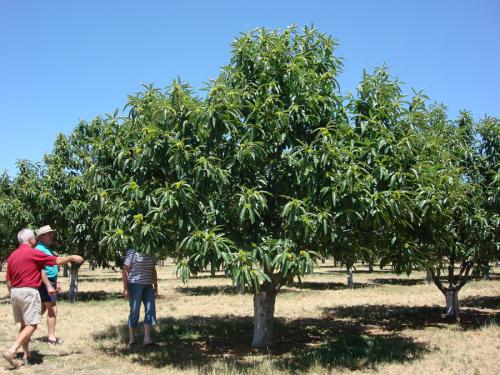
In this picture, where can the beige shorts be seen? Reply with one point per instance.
(26, 305)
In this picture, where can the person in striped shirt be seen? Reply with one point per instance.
(140, 284)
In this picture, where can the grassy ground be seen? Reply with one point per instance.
(387, 324)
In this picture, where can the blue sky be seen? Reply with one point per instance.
(62, 61)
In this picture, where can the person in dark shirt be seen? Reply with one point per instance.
(23, 277)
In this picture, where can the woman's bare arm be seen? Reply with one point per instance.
(125, 272)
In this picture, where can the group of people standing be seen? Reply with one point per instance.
(32, 283)
(31, 277)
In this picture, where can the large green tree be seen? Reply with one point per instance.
(265, 113)
(216, 182)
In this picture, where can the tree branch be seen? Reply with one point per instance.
(464, 277)
(435, 277)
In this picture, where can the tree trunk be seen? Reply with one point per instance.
(370, 267)
(65, 270)
(73, 284)
(486, 275)
(429, 276)
(92, 265)
(452, 310)
(350, 281)
(213, 268)
(263, 319)
(240, 287)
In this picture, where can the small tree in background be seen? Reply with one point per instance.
(14, 215)
(457, 229)
(66, 177)
(372, 199)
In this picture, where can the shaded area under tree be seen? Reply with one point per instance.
(392, 318)
(299, 344)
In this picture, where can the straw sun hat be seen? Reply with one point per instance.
(43, 230)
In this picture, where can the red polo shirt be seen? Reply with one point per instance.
(24, 266)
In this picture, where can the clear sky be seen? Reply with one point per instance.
(61, 61)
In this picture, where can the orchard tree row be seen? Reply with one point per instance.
(273, 169)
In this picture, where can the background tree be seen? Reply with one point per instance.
(457, 231)
(485, 171)
(66, 177)
(56, 192)
(371, 198)
(14, 215)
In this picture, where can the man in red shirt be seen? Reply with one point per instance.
(23, 280)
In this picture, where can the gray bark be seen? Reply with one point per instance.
(486, 275)
(370, 267)
(451, 292)
(429, 276)
(263, 320)
(65, 270)
(452, 309)
(213, 268)
(73, 284)
(350, 281)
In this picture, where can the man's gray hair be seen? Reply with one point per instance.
(25, 235)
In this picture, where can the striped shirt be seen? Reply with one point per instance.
(141, 267)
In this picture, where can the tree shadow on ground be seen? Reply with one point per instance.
(207, 275)
(483, 302)
(318, 285)
(95, 295)
(343, 271)
(398, 281)
(295, 287)
(210, 290)
(393, 318)
(86, 279)
(491, 277)
(204, 290)
(97, 279)
(201, 342)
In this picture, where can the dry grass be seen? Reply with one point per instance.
(388, 324)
